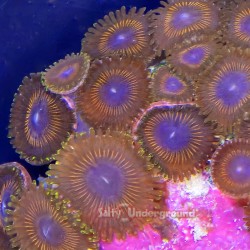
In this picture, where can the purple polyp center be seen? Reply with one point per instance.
(173, 85)
(193, 56)
(232, 88)
(122, 39)
(5, 199)
(105, 180)
(185, 17)
(115, 92)
(39, 118)
(239, 169)
(50, 231)
(66, 73)
(245, 25)
(172, 135)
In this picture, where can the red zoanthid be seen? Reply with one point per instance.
(176, 137)
(67, 75)
(230, 168)
(238, 31)
(37, 224)
(100, 173)
(178, 20)
(224, 91)
(119, 33)
(39, 122)
(14, 179)
(192, 57)
(171, 87)
(117, 90)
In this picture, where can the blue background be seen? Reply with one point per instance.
(33, 35)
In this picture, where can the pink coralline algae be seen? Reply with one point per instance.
(213, 221)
